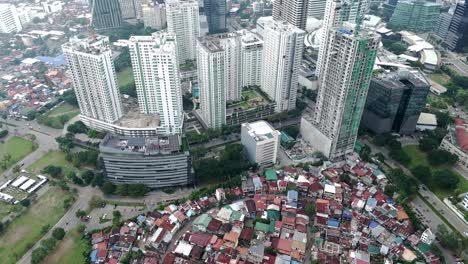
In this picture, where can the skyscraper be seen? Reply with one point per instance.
(156, 72)
(94, 79)
(154, 15)
(219, 75)
(336, 13)
(282, 54)
(106, 14)
(443, 25)
(292, 11)
(343, 85)
(457, 35)
(415, 15)
(395, 101)
(128, 8)
(251, 58)
(316, 8)
(9, 19)
(215, 11)
(183, 20)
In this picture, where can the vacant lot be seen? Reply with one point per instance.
(420, 158)
(125, 77)
(56, 158)
(70, 250)
(440, 78)
(17, 148)
(58, 116)
(25, 230)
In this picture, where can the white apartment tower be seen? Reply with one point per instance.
(154, 15)
(156, 71)
(219, 75)
(261, 141)
(251, 55)
(336, 13)
(94, 79)
(282, 54)
(183, 20)
(292, 11)
(9, 19)
(343, 85)
(317, 8)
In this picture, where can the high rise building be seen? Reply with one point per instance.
(251, 58)
(94, 79)
(219, 75)
(106, 14)
(9, 19)
(336, 13)
(215, 11)
(395, 101)
(128, 8)
(154, 15)
(156, 72)
(292, 11)
(316, 8)
(457, 35)
(443, 25)
(415, 15)
(183, 20)
(343, 85)
(261, 141)
(282, 55)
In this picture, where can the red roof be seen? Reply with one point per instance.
(461, 134)
(169, 259)
(200, 239)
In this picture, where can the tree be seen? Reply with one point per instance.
(49, 243)
(38, 255)
(58, 233)
(77, 127)
(87, 176)
(16, 169)
(54, 171)
(440, 157)
(96, 202)
(66, 143)
(310, 210)
(25, 202)
(108, 188)
(428, 144)
(446, 179)
(422, 173)
(116, 217)
(447, 239)
(80, 213)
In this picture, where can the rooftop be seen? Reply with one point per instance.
(260, 130)
(397, 79)
(147, 146)
(95, 44)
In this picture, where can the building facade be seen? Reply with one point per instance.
(106, 14)
(336, 13)
(183, 20)
(415, 15)
(343, 86)
(128, 8)
(261, 141)
(251, 56)
(457, 35)
(94, 79)
(157, 162)
(156, 71)
(219, 75)
(282, 55)
(316, 8)
(215, 11)
(9, 19)
(154, 15)
(443, 25)
(292, 11)
(456, 141)
(395, 101)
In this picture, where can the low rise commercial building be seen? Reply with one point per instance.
(261, 141)
(157, 162)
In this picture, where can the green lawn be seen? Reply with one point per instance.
(125, 77)
(18, 148)
(57, 117)
(420, 158)
(440, 78)
(6, 209)
(69, 250)
(56, 158)
(25, 230)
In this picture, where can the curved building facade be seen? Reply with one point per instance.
(157, 162)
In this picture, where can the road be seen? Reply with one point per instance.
(456, 222)
(456, 63)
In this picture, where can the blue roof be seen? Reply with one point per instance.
(57, 61)
(348, 214)
(333, 222)
(257, 182)
(293, 195)
(93, 256)
(373, 224)
(372, 202)
(390, 201)
(140, 218)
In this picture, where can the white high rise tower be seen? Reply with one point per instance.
(282, 54)
(336, 13)
(9, 19)
(183, 20)
(156, 71)
(94, 79)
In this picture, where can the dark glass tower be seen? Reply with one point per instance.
(215, 11)
(457, 35)
(106, 14)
